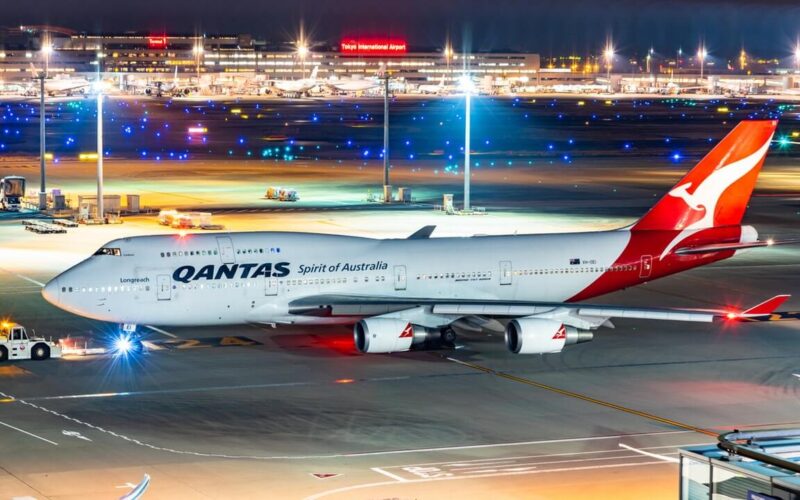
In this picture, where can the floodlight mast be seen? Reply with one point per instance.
(387, 188)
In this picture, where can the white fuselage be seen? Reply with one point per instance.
(211, 279)
(354, 85)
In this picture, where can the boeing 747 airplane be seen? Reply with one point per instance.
(401, 293)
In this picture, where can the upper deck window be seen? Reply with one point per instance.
(109, 251)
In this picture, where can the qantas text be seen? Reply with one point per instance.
(185, 274)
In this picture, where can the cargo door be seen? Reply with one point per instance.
(164, 287)
(505, 272)
(226, 254)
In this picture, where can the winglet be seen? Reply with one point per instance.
(423, 233)
(766, 307)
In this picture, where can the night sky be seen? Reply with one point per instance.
(767, 28)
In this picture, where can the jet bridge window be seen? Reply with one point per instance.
(109, 251)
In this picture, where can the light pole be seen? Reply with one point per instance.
(448, 56)
(302, 52)
(701, 54)
(797, 57)
(609, 55)
(678, 60)
(100, 200)
(47, 49)
(198, 50)
(387, 188)
(466, 83)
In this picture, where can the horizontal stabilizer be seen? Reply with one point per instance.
(766, 307)
(721, 247)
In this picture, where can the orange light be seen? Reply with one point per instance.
(344, 381)
(732, 315)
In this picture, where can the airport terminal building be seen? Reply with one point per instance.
(65, 51)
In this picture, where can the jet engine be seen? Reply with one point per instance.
(382, 335)
(539, 336)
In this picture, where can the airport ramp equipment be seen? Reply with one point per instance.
(40, 227)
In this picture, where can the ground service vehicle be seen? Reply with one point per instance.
(12, 189)
(15, 344)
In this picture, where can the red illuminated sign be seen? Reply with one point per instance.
(373, 46)
(157, 42)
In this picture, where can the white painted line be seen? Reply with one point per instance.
(389, 474)
(492, 461)
(651, 455)
(28, 433)
(310, 457)
(29, 280)
(163, 332)
(75, 434)
(479, 476)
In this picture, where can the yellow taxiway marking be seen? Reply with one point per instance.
(582, 397)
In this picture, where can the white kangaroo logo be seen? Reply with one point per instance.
(707, 194)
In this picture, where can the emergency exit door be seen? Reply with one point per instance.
(164, 287)
(400, 278)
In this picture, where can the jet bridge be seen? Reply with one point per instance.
(750, 465)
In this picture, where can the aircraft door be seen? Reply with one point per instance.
(271, 286)
(400, 278)
(505, 272)
(226, 254)
(164, 287)
(646, 266)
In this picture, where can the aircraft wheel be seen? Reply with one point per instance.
(3, 353)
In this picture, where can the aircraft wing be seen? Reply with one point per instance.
(590, 316)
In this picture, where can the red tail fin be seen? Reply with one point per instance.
(717, 190)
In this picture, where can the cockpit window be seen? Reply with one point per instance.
(109, 251)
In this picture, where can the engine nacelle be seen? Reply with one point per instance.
(539, 336)
(382, 335)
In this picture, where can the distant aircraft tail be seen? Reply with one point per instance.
(715, 192)
(314, 73)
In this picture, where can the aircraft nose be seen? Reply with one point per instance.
(51, 292)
